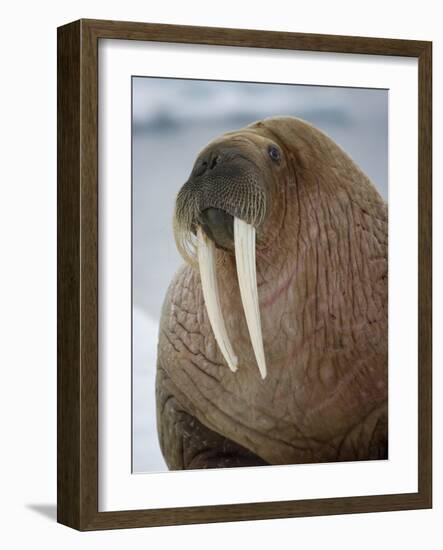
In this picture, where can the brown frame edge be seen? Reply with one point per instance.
(77, 313)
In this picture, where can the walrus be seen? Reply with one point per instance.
(273, 341)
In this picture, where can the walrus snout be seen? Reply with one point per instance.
(219, 159)
(228, 181)
(218, 226)
(225, 183)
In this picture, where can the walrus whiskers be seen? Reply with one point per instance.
(185, 214)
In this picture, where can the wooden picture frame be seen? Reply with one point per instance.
(77, 455)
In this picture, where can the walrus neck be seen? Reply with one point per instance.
(277, 258)
(324, 249)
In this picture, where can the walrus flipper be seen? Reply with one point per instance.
(187, 444)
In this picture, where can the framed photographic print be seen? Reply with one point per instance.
(244, 274)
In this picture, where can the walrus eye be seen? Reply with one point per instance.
(274, 153)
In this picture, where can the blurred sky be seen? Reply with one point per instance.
(173, 120)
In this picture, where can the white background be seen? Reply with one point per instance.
(118, 489)
(28, 275)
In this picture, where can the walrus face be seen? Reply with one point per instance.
(232, 178)
(222, 206)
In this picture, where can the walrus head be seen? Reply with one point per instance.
(235, 203)
(233, 177)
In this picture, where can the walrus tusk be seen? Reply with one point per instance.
(244, 240)
(206, 262)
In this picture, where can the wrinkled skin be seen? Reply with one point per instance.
(322, 283)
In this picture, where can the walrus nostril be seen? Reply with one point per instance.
(206, 164)
(214, 162)
(218, 226)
